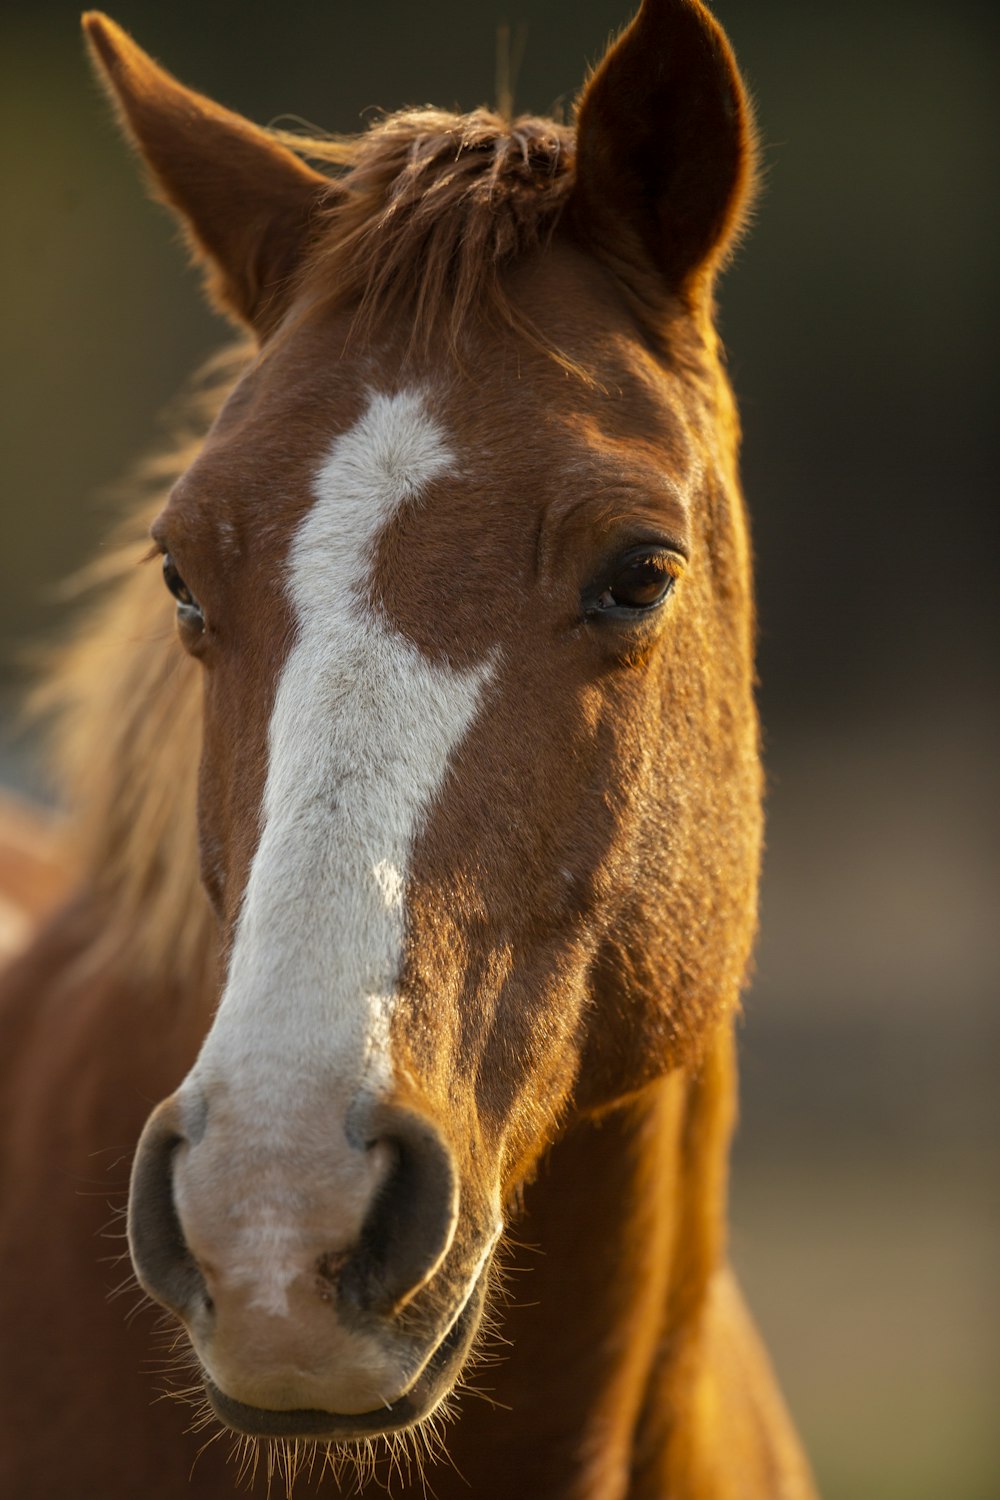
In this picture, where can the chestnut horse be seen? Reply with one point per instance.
(457, 723)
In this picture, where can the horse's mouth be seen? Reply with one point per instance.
(431, 1386)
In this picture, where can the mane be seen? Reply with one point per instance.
(426, 209)
(124, 701)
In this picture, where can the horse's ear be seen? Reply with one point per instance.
(664, 152)
(246, 203)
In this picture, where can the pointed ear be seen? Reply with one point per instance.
(246, 203)
(664, 153)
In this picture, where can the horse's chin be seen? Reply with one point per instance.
(435, 1381)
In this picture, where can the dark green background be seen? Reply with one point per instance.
(861, 319)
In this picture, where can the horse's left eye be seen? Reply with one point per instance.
(637, 582)
(187, 605)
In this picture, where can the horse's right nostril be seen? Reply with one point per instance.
(411, 1224)
(163, 1263)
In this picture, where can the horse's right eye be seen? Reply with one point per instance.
(189, 611)
(175, 582)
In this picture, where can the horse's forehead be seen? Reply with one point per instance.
(499, 433)
(522, 432)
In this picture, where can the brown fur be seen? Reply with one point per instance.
(582, 897)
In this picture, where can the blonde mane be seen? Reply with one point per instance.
(426, 209)
(125, 704)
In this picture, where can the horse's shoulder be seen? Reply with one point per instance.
(34, 870)
(739, 1395)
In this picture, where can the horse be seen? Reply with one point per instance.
(417, 770)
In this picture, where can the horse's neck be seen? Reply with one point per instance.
(621, 1239)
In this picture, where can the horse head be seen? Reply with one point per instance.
(465, 565)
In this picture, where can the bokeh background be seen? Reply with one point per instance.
(862, 322)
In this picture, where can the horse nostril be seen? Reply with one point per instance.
(163, 1263)
(410, 1225)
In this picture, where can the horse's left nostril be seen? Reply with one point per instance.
(163, 1263)
(411, 1224)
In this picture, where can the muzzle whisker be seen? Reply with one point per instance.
(205, 1445)
(128, 1283)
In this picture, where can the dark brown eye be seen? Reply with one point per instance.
(635, 583)
(188, 608)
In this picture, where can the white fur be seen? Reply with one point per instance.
(362, 731)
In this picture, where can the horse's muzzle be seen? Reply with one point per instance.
(293, 1281)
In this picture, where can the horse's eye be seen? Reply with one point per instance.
(188, 607)
(637, 582)
(175, 582)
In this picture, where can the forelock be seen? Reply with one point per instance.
(427, 208)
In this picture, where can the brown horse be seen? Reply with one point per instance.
(464, 643)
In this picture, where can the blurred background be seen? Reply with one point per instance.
(862, 324)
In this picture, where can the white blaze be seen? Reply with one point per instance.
(360, 738)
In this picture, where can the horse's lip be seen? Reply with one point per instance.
(433, 1383)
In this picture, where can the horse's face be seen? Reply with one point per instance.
(478, 816)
